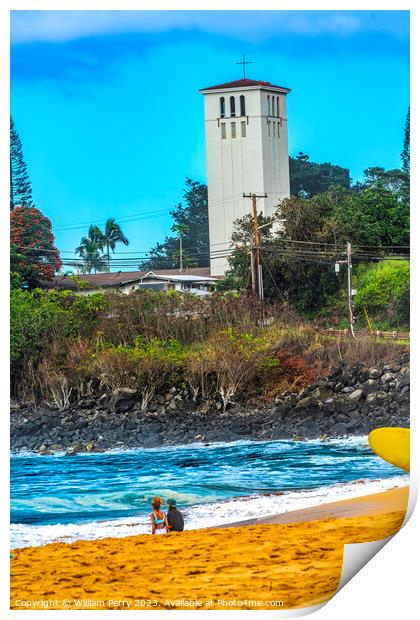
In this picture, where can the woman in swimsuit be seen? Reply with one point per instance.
(158, 517)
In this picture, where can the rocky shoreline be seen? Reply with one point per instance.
(352, 400)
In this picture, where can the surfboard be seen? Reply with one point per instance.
(393, 445)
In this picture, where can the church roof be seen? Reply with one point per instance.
(245, 83)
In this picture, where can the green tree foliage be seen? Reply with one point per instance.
(299, 257)
(90, 251)
(92, 246)
(308, 178)
(39, 317)
(20, 186)
(374, 217)
(405, 155)
(112, 235)
(304, 274)
(383, 290)
(290, 271)
(191, 213)
(238, 276)
(395, 181)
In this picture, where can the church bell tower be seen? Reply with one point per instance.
(247, 153)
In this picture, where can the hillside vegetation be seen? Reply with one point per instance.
(64, 345)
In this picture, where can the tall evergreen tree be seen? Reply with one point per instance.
(308, 178)
(20, 185)
(405, 155)
(192, 215)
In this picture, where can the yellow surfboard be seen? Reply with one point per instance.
(393, 445)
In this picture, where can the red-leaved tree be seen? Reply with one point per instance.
(33, 253)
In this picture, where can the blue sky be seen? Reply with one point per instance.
(107, 104)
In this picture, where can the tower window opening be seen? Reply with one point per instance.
(233, 130)
(268, 105)
(223, 126)
(269, 129)
(242, 105)
(232, 106)
(278, 107)
(243, 129)
(278, 129)
(222, 107)
(273, 111)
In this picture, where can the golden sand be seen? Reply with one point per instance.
(281, 565)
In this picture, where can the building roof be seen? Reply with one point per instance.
(245, 83)
(178, 277)
(119, 278)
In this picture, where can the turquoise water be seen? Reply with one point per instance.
(92, 495)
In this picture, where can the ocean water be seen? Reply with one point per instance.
(88, 496)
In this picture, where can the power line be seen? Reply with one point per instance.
(136, 216)
(307, 255)
(230, 198)
(130, 262)
(283, 250)
(313, 242)
(124, 220)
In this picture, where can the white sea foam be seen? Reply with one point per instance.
(349, 441)
(202, 515)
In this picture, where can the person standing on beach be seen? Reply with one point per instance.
(158, 517)
(174, 518)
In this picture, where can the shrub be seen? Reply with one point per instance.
(33, 325)
(384, 290)
(147, 367)
(61, 343)
(40, 318)
(65, 370)
(199, 372)
(230, 362)
(185, 317)
(361, 350)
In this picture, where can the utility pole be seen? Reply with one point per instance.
(253, 274)
(180, 252)
(181, 229)
(256, 266)
(350, 292)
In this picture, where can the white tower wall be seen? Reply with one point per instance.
(256, 162)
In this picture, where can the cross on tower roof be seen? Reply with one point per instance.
(244, 62)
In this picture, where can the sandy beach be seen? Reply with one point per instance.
(289, 560)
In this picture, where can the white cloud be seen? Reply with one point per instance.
(57, 26)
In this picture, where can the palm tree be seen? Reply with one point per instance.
(112, 235)
(90, 251)
(96, 234)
